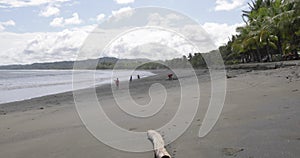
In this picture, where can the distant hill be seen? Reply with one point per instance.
(102, 63)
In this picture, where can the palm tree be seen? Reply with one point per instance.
(272, 27)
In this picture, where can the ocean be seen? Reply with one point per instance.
(17, 85)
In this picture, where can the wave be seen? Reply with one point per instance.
(16, 85)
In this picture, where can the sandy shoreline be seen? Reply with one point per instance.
(260, 119)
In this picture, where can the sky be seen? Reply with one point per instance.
(54, 30)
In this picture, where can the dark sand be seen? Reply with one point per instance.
(260, 118)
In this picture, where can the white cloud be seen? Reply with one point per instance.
(220, 33)
(227, 5)
(124, 1)
(3, 25)
(217, 32)
(100, 17)
(8, 23)
(57, 22)
(122, 13)
(74, 20)
(61, 22)
(27, 3)
(12, 44)
(169, 20)
(42, 46)
(155, 45)
(50, 11)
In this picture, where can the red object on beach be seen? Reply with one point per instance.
(170, 76)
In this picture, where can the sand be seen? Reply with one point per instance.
(260, 118)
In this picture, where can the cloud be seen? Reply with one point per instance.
(12, 44)
(154, 42)
(61, 22)
(9, 23)
(155, 45)
(124, 1)
(220, 33)
(227, 5)
(74, 20)
(216, 33)
(169, 35)
(181, 25)
(27, 3)
(57, 22)
(163, 44)
(3, 25)
(50, 11)
(153, 51)
(122, 13)
(42, 46)
(100, 17)
(167, 20)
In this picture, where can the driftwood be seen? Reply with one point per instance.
(158, 144)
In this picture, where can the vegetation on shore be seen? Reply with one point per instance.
(271, 33)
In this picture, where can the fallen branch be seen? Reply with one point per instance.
(158, 144)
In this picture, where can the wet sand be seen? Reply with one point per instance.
(260, 118)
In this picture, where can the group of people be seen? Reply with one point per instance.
(130, 80)
(170, 77)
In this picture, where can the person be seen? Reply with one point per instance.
(130, 79)
(117, 83)
(138, 76)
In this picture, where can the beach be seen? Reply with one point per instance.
(260, 118)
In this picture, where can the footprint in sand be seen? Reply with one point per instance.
(173, 149)
(231, 151)
(132, 129)
(2, 112)
(286, 107)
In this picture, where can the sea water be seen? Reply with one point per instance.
(17, 85)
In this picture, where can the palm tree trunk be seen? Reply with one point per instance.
(268, 51)
(294, 47)
(296, 54)
(258, 53)
(279, 44)
(252, 57)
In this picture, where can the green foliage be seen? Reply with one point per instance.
(272, 29)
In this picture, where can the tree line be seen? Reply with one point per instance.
(271, 33)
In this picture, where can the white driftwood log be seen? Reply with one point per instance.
(158, 144)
